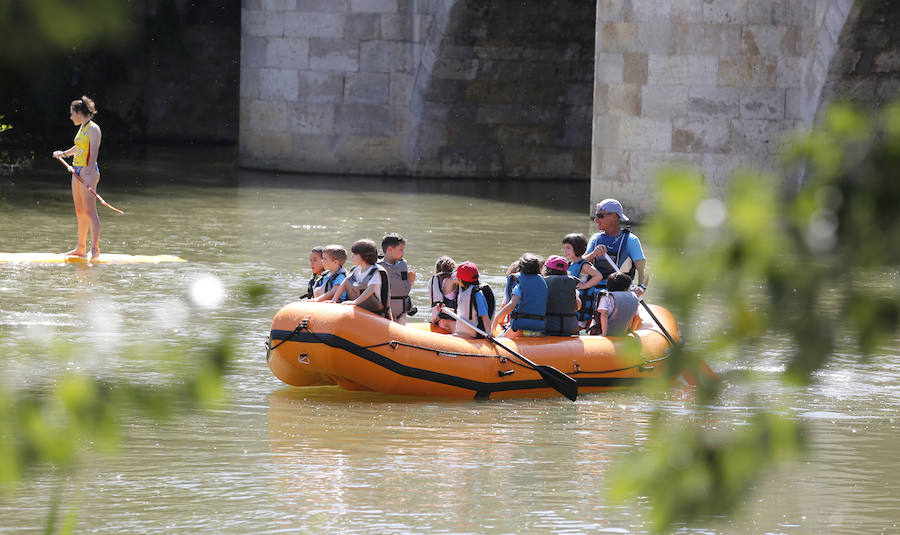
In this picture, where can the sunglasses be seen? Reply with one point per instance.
(601, 215)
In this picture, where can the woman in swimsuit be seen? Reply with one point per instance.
(86, 151)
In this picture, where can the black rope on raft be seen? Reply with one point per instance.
(641, 364)
(300, 326)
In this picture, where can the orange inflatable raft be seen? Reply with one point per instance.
(314, 344)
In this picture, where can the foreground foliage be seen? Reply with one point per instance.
(774, 253)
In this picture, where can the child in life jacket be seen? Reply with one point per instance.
(562, 298)
(527, 305)
(367, 286)
(394, 246)
(589, 278)
(333, 258)
(318, 270)
(443, 290)
(474, 302)
(617, 308)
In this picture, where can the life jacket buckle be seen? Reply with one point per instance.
(576, 367)
(268, 348)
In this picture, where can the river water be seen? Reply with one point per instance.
(279, 459)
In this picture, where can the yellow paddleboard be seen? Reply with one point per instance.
(105, 258)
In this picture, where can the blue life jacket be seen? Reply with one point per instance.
(618, 257)
(511, 281)
(588, 297)
(529, 313)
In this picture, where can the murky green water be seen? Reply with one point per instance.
(321, 460)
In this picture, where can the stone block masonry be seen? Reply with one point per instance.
(420, 87)
(718, 83)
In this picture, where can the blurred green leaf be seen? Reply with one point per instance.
(778, 256)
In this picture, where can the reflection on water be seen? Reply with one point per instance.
(324, 460)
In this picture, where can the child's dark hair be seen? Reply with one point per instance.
(618, 282)
(391, 239)
(465, 284)
(335, 252)
(548, 271)
(84, 106)
(530, 264)
(444, 264)
(366, 250)
(578, 242)
(318, 249)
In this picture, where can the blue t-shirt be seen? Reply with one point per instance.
(338, 279)
(481, 304)
(632, 248)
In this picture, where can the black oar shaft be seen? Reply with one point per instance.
(659, 324)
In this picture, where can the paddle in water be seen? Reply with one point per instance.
(83, 183)
(562, 383)
(704, 367)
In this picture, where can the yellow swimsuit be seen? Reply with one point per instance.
(82, 147)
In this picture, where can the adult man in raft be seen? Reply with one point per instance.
(623, 246)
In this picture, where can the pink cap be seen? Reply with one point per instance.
(557, 262)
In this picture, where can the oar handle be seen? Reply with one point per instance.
(611, 262)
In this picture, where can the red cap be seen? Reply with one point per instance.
(467, 272)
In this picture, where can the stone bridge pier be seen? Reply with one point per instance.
(716, 84)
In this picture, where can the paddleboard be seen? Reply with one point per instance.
(105, 258)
